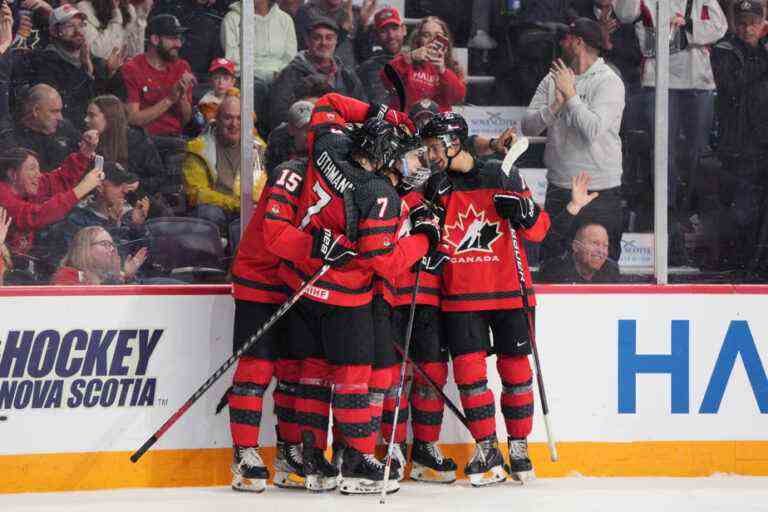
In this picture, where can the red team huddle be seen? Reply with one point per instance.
(374, 202)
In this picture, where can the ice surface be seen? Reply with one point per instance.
(719, 493)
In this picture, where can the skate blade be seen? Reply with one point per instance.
(316, 483)
(523, 476)
(242, 484)
(493, 476)
(426, 474)
(289, 480)
(365, 486)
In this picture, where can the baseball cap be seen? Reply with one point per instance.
(387, 16)
(588, 30)
(423, 110)
(323, 21)
(222, 63)
(63, 14)
(117, 175)
(300, 113)
(754, 7)
(165, 25)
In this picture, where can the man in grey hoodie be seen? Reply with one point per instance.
(315, 64)
(580, 103)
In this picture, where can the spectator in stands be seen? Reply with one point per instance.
(580, 105)
(587, 260)
(222, 72)
(691, 89)
(203, 20)
(31, 19)
(290, 6)
(274, 47)
(158, 83)
(422, 111)
(6, 39)
(353, 40)
(429, 69)
(110, 209)
(620, 44)
(40, 126)
(6, 263)
(115, 27)
(289, 140)
(67, 65)
(315, 64)
(740, 66)
(35, 200)
(212, 170)
(93, 259)
(129, 146)
(6, 28)
(390, 35)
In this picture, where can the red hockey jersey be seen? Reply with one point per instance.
(481, 273)
(254, 271)
(331, 176)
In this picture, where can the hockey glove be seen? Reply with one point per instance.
(434, 261)
(392, 116)
(334, 249)
(426, 222)
(522, 212)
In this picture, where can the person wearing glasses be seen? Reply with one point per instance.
(92, 259)
(159, 83)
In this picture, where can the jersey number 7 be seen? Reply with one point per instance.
(323, 198)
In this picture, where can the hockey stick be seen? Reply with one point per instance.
(227, 364)
(397, 84)
(400, 384)
(514, 152)
(455, 410)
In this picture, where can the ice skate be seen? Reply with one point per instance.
(520, 467)
(429, 465)
(320, 475)
(362, 473)
(289, 467)
(486, 466)
(248, 470)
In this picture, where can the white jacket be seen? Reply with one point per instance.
(114, 35)
(274, 43)
(584, 134)
(689, 68)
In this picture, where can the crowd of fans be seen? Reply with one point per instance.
(152, 87)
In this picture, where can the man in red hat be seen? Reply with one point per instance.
(390, 35)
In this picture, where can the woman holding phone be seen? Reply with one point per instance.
(428, 70)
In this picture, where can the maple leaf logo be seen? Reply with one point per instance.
(472, 232)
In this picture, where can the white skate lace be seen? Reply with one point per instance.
(373, 461)
(518, 449)
(295, 452)
(250, 457)
(435, 452)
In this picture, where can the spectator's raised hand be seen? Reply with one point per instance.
(565, 79)
(6, 28)
(501, 144)
(366, 11)
(133, 263)
(88, 143)
(85, 57)
(580, 196)
(347, 22)
(140, 211)
(608, 24)
(116, 59)
(5, 224)
(420, 54)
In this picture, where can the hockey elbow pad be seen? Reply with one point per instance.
(521, 212)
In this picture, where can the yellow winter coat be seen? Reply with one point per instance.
(200, 175)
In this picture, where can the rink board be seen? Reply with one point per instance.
(642, 381)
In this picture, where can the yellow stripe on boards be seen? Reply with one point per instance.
(210, 467)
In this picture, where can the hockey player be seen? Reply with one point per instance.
(481, 290)
(333, 323)
(258, 293)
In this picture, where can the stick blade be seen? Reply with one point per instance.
(514, 152)
(397, 83)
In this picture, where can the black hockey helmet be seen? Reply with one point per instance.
(383, 142)
(444, 126)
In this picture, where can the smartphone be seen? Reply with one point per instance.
(98, 164)
(440, 43)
